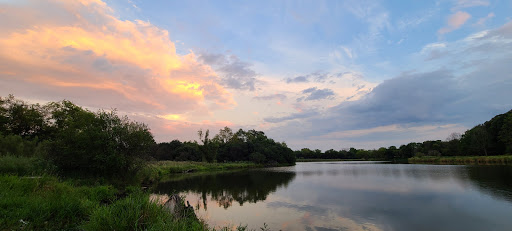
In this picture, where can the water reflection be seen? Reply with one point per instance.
(356, 196)
(245, 186)
(493, 180)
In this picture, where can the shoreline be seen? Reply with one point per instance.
(463, 160)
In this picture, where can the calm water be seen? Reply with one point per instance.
(354, 196)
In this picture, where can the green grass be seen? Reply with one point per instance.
(45, 203)
(136, 212)
(172, 167)
(326, 160)
(32, 197)
(478, 160)
(26, 166)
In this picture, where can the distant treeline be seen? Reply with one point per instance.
(227, 146)
(493, 137)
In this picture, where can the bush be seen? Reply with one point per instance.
(257, 157)
(16, 165)
(97, 144)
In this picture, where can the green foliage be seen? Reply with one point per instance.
(25, 166)
(257, 157)
(164, 168)
(493, 137)
(77, 141)
(480, 160)
(228, 147)
(136, 212)
(20, 118)
(46, 204)
(505, 134)
(100, 144)
(16, 145)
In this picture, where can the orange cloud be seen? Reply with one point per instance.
(98, 55)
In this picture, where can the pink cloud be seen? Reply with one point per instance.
(455, 21)
(86, 54)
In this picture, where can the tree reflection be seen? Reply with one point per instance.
(225, 188)
(493, 180)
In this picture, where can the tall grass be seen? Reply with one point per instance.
(170, 167)
(481, 160)
(47, 204)
(136, 212)
(26, 166)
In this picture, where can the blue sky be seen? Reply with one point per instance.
(317, 74)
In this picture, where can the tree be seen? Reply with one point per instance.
(454, 136)
(22, 119)
(209, 147)
(476, 140)
(224, 136)
(99, 144)
(505, 133)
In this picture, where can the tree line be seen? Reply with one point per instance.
(227, 146)
(77, 141)
(493, 137)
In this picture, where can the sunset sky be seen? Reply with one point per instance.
(316, 74)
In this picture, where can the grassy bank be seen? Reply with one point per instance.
(159, 169)
(481, 160)
(47, 203)
(34, 198)
(326, 160)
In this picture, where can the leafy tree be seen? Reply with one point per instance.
(505, 133)
(100, 143)
(224, 136)
(20, 118)
(209, 147)
(476, 140)
(257, 157)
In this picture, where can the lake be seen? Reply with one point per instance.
(357, 195)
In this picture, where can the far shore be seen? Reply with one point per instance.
(469, 160)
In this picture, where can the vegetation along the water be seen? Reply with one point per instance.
(65, 167)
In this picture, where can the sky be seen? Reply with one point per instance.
(315, 74)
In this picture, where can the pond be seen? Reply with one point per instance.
(353, 196)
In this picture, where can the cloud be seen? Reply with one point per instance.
(298, 79)
(415, 106)
(314, 93)
(460, 4)
(235, 73)
(455, 21)
(270, 97)
(317, 76)
(85, 54)
(483, 20)
(300, 115)
(377, 19)
(504, 32)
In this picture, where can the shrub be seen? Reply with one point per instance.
(97, 144)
